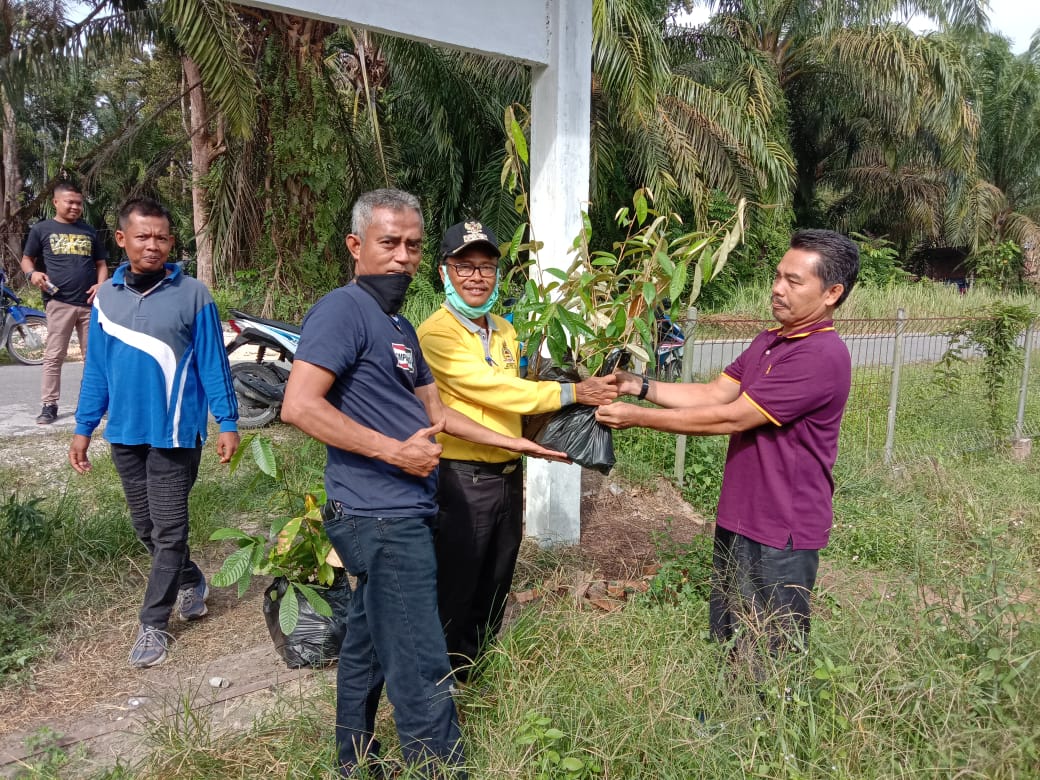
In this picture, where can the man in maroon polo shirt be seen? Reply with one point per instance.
(781, 402)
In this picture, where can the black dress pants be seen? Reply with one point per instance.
(156, 482)
(760, 594)
(478, 534)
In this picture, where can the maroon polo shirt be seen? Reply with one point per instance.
(778, 485)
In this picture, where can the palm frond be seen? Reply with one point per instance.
(210, 33)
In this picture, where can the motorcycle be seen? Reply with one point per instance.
(260, 382)
(23, 331)
(670, 344)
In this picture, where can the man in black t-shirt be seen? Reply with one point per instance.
(65, 259)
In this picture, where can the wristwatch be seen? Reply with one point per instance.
(28, 275)
(645, 388)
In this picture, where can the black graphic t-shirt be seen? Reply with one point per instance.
(68, 253)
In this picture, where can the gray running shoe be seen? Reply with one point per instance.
(191, 601)
(47, 415)
(150, 647)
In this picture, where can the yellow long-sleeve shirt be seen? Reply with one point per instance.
(483, 384)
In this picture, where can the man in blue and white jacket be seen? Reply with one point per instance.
(156, 363)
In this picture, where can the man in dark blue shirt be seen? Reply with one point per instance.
(359, 384)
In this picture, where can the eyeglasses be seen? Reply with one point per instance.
(466, 271)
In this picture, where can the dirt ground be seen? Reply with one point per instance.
(88, 694)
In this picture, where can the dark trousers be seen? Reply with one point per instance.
(760, 594)
(479, 529)
(393, 636)
(156, 482)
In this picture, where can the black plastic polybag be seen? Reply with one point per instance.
(316, 639)
(573, 429)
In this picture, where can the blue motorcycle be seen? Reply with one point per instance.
(23, 331)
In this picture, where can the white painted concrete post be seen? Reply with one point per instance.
(561, 100)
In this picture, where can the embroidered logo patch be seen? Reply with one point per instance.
(403, 355)
(507, 357)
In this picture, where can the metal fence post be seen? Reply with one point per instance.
(687, 376)
(893, 394)
(1023, 391)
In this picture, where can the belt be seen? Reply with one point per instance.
(480, 467)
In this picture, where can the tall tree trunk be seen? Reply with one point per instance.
(12, 226)
(206, 146)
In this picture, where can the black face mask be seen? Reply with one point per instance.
(144, 282)
(388, 289)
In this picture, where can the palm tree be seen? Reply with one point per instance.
(871, 113)
(1001, 201)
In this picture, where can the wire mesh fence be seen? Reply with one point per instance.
(909, 398)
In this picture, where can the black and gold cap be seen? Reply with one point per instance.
(467, 234)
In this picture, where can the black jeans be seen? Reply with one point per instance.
(156, 483)
(479, 529)
(760, 594)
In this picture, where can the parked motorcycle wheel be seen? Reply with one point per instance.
(252, 411)
(671, 371)
(25, 341)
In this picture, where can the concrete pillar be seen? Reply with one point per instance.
(561, 101)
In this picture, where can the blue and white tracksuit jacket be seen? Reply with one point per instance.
(156, 361)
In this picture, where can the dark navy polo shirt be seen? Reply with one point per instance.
(378, 364)
(778, 484)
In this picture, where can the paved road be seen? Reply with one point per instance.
(20, 398)
(710, 357)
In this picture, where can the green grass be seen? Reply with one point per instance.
(75, 560)
(922, 299)
(924, 660)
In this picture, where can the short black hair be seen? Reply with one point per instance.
(838, 258)
(67, 186)
(145, 207)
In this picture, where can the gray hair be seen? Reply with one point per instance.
(395, 200)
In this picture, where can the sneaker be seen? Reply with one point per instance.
(150, 647)
(191, 601)
(48, 414)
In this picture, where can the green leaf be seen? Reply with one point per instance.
(243, 583)
(663, 260)
(229, 533)
(639, 201)
(289, 610)
(263, 453)
(317, 602)
(572, 764)
(516, 135)
(649, 293)
(235, 567)
(288, 535)
(518, 237)
(645, 333)
(695, 288)
(243, 446)
(554, 733)
(677, 284)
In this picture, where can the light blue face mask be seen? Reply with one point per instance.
(460, 305)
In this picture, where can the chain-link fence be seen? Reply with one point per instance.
(911, 398)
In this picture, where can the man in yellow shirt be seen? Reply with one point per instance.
(474, 357)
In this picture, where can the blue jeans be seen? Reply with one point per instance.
(394, 635)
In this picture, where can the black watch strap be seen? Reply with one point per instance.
(28, 275)
(645, 388)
